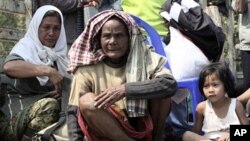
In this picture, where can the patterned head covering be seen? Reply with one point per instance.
(85, 50)
(33, 51)
(141, 62)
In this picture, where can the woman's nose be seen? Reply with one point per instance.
(112, 40)
(51, 31)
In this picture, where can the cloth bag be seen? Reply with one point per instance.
(185, 59)
(190, 19)
(89, 12)
(57, 131)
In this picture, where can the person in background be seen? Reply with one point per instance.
(95, 6)
(35, 69)
(245, 100)
(215, 115)
(118, 83)
(242, 7)
(149, 11)
(109, 4)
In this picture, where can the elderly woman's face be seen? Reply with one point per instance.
(114, 40)
(49, 31)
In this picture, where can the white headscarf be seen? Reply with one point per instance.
(31, 49)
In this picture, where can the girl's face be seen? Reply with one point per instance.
(213, 88)
(114, 40)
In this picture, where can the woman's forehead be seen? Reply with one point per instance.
(114, 22)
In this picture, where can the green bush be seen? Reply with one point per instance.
(10, 20)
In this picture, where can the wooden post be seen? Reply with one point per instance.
(230, 39)
(28, 6)
(213, 12)
(203, 3)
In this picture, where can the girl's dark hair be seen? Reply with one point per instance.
(53, 14)
(222, 70)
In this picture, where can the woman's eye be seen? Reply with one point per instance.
(106, 36)
(57, 28)
(45, 27)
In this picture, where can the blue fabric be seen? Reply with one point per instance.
(179, 118)
(155, 38)
(192, 85)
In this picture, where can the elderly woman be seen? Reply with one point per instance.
(121, 87)
(35, 68)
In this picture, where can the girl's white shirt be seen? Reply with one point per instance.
(214, 126)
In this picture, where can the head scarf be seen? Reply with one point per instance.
(141, 62)
(31, 49)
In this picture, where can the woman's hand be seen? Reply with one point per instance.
(54, 94)
(56, 79)
(109, 96)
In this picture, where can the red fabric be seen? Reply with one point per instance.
(145, 135)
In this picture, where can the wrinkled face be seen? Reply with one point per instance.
(213, 88)
(114, 40)
(49, 31)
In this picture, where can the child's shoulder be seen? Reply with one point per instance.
(201, 107)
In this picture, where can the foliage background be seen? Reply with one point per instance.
(10, 21)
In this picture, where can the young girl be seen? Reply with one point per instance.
(215, 115)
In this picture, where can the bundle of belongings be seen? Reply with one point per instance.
(189, 18)
(194, 42)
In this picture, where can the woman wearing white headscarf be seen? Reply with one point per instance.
(36, 67)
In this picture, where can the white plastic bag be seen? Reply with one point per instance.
(89, 12)
(185, 59)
